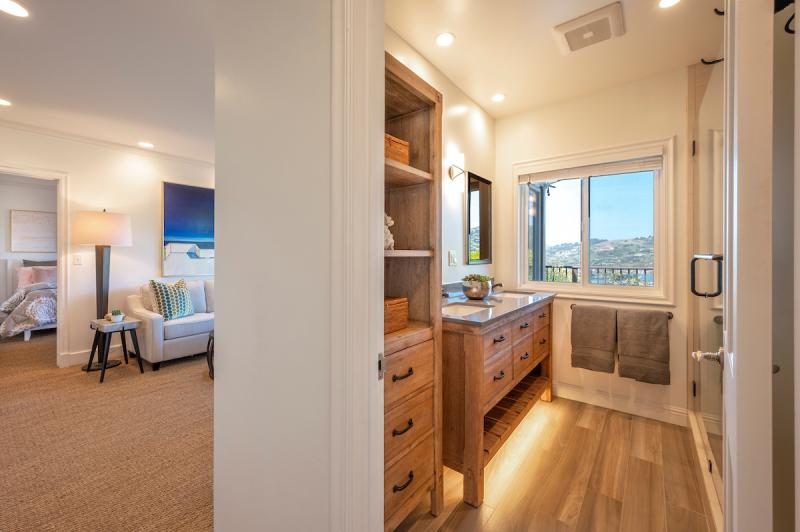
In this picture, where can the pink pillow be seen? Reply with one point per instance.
(24, 276)
(44, 274)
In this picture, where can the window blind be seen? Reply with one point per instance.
(643, 164)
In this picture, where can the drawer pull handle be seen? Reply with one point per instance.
(409, 373)
(501, 376)
(543, 341)
(396, 433)
(405, 484)
(543, 315)
(499, 339)
(526, 356)
(525, 325)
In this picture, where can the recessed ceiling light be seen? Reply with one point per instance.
(13, 8)
(145, 145)
(663, 4)
(499, 97)
(445, 39)
(4, 103)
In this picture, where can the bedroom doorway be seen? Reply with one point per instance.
(33, 268)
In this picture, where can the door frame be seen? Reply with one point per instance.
(357, 164)
(62, 249)
(747, 388)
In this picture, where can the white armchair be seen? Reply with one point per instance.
(181, 337)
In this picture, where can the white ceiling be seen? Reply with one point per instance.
(114, 70)
(508, 45)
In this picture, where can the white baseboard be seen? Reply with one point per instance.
(78, 358)
(629, 405)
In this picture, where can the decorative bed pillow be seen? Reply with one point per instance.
(26, 262)
(44, 274)
(24, 276)
(171, 300)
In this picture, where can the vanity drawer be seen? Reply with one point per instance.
(522, 327)
(524, 357)
(541, 317)
(496, 341)
(406, 372)
(541, 341)
(409, 474)
(498, 376)
(406, 423)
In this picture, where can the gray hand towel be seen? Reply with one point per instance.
(643, 345)
(594, 337)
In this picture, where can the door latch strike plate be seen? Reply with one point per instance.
(381, 366)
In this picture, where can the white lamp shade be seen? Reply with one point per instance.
(95, 228)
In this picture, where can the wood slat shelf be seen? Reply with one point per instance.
(416, 333)
(500, 421)
(407, 253)
(397, 175)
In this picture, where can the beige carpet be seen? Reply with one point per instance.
(133, 453)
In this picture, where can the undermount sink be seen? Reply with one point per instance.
(463, 309)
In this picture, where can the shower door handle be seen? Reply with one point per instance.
(717, 357)
(693, 274)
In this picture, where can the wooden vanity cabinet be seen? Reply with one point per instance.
(493, 375)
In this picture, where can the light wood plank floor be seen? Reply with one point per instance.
(574, 467)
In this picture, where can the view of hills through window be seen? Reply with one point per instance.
(620, 219)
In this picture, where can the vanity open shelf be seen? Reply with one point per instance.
(398, 174)
(415, 333)
(499, 422)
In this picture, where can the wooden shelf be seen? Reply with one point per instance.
(397, 175)
(500, 421)
(416, 333)
(407, 253)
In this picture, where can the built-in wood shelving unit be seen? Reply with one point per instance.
(413, 471)
(499, 423)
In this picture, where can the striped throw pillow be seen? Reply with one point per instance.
(171, 300)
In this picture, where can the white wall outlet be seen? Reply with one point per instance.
(451, 258)
(77, 260)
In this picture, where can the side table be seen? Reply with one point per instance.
(103, 331)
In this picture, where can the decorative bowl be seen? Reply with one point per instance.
(116, 318)
(476, 289)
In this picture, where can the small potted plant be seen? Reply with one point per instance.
(116, 316)
(476, 286)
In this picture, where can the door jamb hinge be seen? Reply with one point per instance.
(381, 366)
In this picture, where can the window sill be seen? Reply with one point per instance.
(641, 296)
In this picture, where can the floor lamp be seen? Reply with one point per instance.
(102, 230)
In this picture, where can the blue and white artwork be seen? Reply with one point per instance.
(188, 230)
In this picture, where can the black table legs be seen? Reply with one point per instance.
(135, 348)
(101, 344)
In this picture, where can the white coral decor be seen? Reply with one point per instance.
(388, 239)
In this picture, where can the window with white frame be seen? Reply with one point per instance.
(594, 227)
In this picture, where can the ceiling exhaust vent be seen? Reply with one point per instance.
(598, 26)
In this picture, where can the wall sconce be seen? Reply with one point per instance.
(455, 171)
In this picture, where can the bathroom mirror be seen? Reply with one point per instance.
(479, 220)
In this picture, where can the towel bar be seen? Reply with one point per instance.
(669, 314)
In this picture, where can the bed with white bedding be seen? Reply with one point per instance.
(31, 306)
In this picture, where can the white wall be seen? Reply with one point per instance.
(20, 193)
(645, 110)
(272, 442)
(468, 140)
(118, 179)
